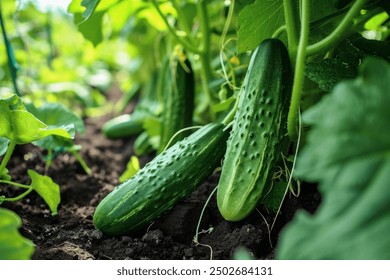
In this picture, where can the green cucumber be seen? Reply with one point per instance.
(132, 124)
(259, 126)
(169, 177)
(177, 94)
(124, 125)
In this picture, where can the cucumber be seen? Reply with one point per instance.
(124, 125)
(132, 124)
(169, 177)
(259, 126)
(177, 97)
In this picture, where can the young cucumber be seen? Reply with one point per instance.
(177, 94)
(124, 125)
(258, 128)
(132, 124)
(169, 177)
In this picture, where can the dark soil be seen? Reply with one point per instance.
(71, 234)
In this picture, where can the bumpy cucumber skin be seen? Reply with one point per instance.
(177, 93)
(258, 128)
(158, 186)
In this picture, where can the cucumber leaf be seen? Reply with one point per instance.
(258, 21)
(47, 189)
(13, 246)
(19, 125)
(131, 169)
(348, 154)
(90, 6)
(56, 115)
(330, 71)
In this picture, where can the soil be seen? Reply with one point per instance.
(71, 233)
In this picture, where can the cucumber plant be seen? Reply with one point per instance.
(18, 126)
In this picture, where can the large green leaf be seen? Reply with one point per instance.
(348, 153)
(56, 115)
(23, 127)
(13, 246)
(257, 22)
(329, 71)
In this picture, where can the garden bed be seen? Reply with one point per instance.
(71, 234)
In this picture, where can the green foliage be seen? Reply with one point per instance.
(274, 197)
(13, 246)
(90, 6)
(329, 71)
(22, 127)
(258, 22)
(347, 153)
(47, 189)
(56, 115)
(132, 168)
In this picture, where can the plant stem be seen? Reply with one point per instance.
(13, 65)
(290, 17)
(19, 197)
(299, 70)
(15, 184)
(7, 156)
(279, 31)
(339, 33)
(183, 21)
(181, 40)
(204, 54)
(229, 117)
(82, 162)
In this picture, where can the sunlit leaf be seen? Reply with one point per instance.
(90, 6)
(23, 127)
(132, 168)
(56, 115)
(347, 152)
(47, 189)
(13, 246)
(92, 28)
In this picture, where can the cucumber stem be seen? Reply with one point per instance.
(13, 65)
(339, 33)
(229, 117)
(279, 31)
(19, 197)
(15, 184)
(204, 54)
(181, 40)
(7, 156)
(82, 162)
(291, 27)
(299, 70)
